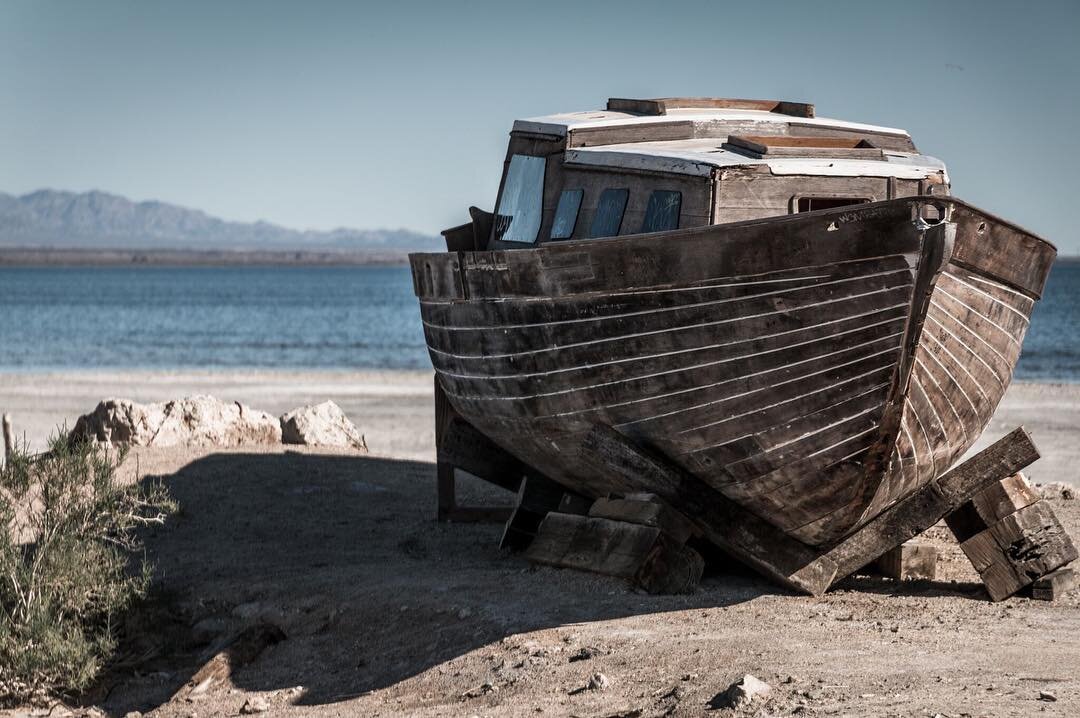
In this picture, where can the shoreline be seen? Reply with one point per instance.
(394, 407)
(50, 258)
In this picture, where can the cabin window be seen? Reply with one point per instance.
(810, 204)
(662, 212)
(520, 207)
(609, 213)
(562, 227)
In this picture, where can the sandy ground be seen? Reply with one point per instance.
(388, 613)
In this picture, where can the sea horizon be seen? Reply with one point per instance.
(306, 318)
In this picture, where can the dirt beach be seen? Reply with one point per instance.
(387, 613)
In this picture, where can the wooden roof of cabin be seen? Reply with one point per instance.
(631, 113)
(696, 135)
(701, 156)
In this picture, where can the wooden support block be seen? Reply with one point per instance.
(729, 526)
(537, 497)
(909, 560)
(572, 503)
(638, 553)
(1054, 585)
(647, 510)
(773, 553)
(670, 568)
(990, 505)
(465, 448)
(1019, 549)
(911, 516)
(459, 445)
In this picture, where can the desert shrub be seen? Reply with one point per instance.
(70, 564)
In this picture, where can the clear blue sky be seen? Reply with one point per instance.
(323, 114)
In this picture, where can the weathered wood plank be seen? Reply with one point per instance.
(466, 448)
(635, 552)
(537, 496)
(459, 445)
(909, 560)
(990, 505)
(916, 513)
(1020, 548)
(1054, 585)
(745, 536)
(647, 510)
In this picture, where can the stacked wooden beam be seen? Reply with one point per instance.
(1011, 536)
(909, 561)
(639, 538)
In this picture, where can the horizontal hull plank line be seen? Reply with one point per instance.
(449, 366)
(787, 310)
(1013, 337)
(828, 374)
(795, 400)
(735, 392)
(1005, 305)
(867, 400)
(909, 261)
(941, 312)
(956, 340)
(687, 374)
(904, 274)
(839, 386)
(904, 293)
(922, 372)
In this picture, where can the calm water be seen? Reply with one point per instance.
(305, 317)
(167, 317)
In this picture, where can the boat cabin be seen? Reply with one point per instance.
(663, 164)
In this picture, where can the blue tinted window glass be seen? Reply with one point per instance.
(518, 217)
(609, 213)
(662, 213)
(562, 227)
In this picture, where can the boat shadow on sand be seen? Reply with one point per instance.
(343, 555)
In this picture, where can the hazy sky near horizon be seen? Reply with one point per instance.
(325, 114)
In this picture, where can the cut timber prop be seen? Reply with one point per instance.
(645, 509)
(1011, 536)
(911, 560)
(720, 520)
(776, 555)
(537, 497)
(628, 548)
(458, 445)
(1054, 585)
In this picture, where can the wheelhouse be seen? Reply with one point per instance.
(643, 166)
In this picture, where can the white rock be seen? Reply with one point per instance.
(746, 691)
(322, 424)
(192, 421)
(599, 682)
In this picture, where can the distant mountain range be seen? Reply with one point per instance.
(97, 220)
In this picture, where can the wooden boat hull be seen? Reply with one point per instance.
(815, 368)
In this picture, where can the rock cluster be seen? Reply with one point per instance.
(192, 421)
(202, 421)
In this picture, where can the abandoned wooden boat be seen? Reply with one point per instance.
(791, 308)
